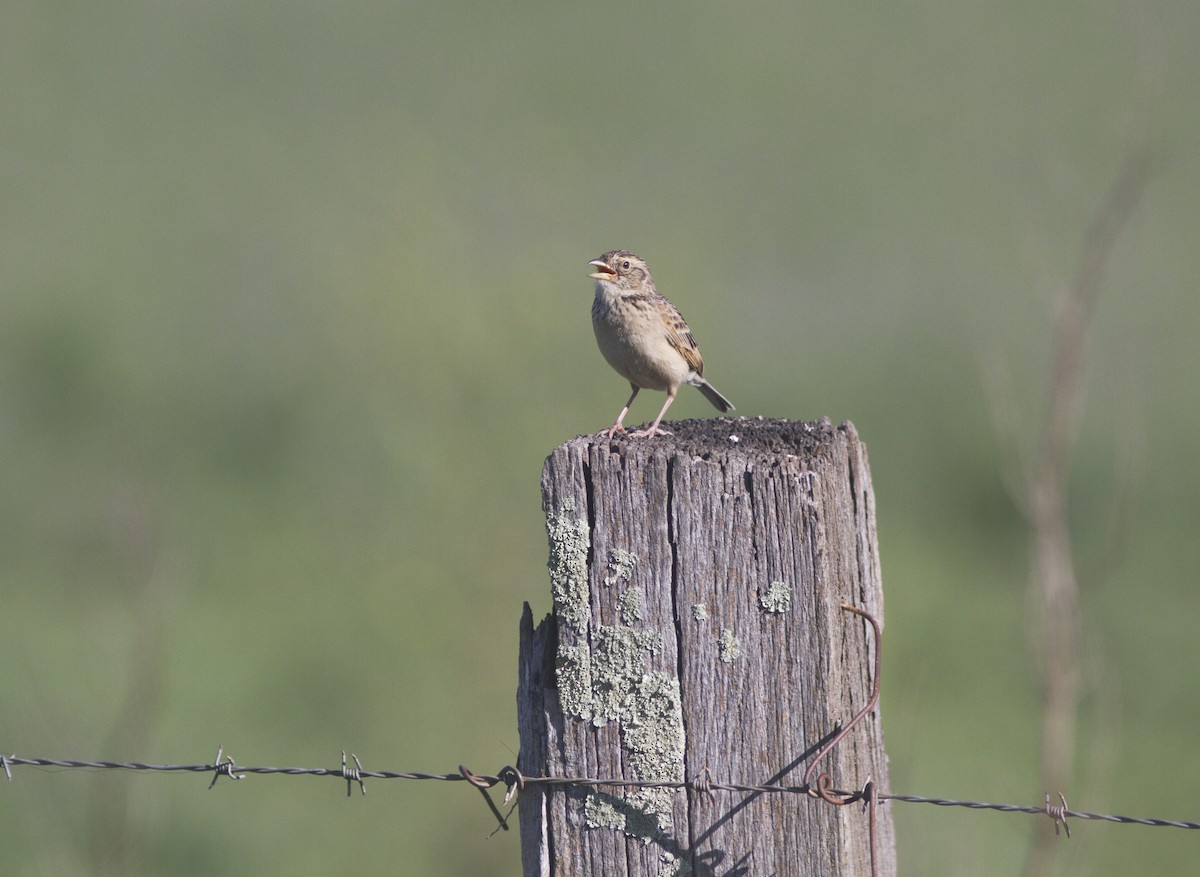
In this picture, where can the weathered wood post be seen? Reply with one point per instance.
(696, 581)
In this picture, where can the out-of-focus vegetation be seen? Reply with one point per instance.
(293, 302)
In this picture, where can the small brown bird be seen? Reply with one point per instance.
(644, 337)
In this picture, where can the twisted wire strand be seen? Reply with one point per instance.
(512, 778)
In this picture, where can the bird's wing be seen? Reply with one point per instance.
(681, 338)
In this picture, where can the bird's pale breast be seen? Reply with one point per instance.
(630, 334)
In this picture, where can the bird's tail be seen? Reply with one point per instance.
(710, 393)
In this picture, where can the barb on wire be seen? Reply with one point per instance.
(702, 783)
(223, 768)
(514, 782)
(7, 769)
(1058, 814)
(353, 774)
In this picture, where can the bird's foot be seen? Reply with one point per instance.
(611, 431)
(650, 432)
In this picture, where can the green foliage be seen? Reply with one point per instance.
(295, 302)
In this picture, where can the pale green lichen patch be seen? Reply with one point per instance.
(673, 866)
(729, 649)
(617, 666)
(568, 566)
(600, 811)
(652, 734)
(620, 566)
(573, 670)
(629, 604)
(648, 709)
(776, 598)
(699, 612)
(606, 811)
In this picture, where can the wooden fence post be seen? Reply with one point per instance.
(696, 631)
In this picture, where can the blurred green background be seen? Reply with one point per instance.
(294, 303)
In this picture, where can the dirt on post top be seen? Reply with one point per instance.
(750, 436)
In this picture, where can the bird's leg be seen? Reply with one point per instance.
(617, 427)
(654, 430)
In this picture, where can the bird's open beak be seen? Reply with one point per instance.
(603, 272)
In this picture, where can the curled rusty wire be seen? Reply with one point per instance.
(483, 783)
(824, 783)
(823, 788)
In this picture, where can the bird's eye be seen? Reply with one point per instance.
(625, 264)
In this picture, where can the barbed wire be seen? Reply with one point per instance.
(514, 781)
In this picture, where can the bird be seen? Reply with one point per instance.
(644, 337)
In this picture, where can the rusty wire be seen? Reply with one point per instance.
(824, 786)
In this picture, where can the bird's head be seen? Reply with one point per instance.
(623, 269)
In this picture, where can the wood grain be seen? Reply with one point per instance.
(696, 581)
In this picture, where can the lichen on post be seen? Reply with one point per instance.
(695, 583)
